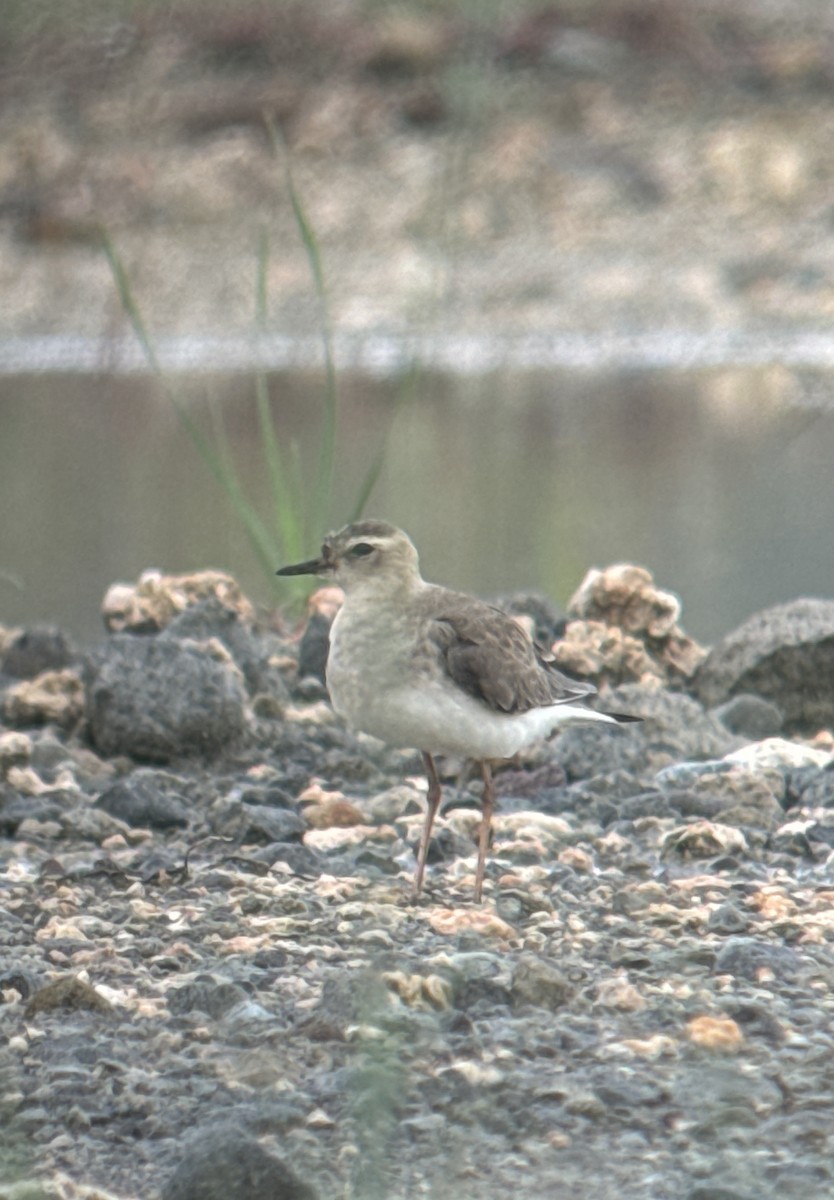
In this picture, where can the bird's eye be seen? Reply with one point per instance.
(361, 550)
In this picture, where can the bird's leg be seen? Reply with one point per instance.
(433, 803)
(487, 804)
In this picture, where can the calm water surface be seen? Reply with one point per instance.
(721, 481)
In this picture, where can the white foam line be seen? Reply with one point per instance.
(386, 355)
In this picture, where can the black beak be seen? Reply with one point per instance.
(315, 566)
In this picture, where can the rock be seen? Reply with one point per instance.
(15, 750)
(205, 994)
(52, 696)
(157, 699)
(673, 726)
(68, 992)
(539, 981)
(785, 655)
(147, 799)
(152, 603)
(749, 715)
(35, 650)
(224, 1163)
(777, 754)
(314, 648)
(727, 919)
(214, 618)
(747, 957)
(261, 824)
(724, 789)
(715, 1033)
(626, 630)
(812, 788)
(704, 839)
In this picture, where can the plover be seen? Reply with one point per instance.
(418, 665)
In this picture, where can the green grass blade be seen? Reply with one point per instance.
(327, 449)
(287, 501)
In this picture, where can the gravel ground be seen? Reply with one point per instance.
(215, 982)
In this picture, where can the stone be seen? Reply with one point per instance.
(540, 982)
(225, 1163)
(747, 957)
(152, 603)
(67, 992)
(703, 839)
(52, 696)
(785, 655)
(156, 700)
(715, 1033)
(147, 799)
(649, 642)
(749, 715)
(35, 650)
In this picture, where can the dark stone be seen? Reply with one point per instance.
(34, 650)
(224, 1163)
(147, 799)
(727, 919)
(539, 981)
(749, 715)
(268, 795)
(745, 956)
(314, 648)
(302, 861)
(812, 787)
(206, 995)
(211, 618)
(672, 724)
(155, 698)
(15, 808)
(549, 622)
(784, 655)
(258, 823)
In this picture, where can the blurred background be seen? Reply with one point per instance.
(578, 265)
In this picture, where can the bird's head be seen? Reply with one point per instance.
(371, 556)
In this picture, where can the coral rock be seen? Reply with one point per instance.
(51, 696)
(625, 630)
(150, 604)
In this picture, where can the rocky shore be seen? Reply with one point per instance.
(215, 983)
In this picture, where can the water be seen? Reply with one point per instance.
(718, 478)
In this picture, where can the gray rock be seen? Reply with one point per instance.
(157, 699)
(314, 648)
(208, 995)
(227, 1164)
(673, 726)
(749, 715)
(784, 655)
(147, 799)
(251, 651)
(262, 824)
(727, 919)
(812, 787)
(39, 649)
(744, 957)
(539, 981)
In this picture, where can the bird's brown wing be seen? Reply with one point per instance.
(490, 656)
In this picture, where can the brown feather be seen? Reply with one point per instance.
(489, 655)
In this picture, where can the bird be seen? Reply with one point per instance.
(423, 667)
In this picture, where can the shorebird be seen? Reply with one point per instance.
(419, 666)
